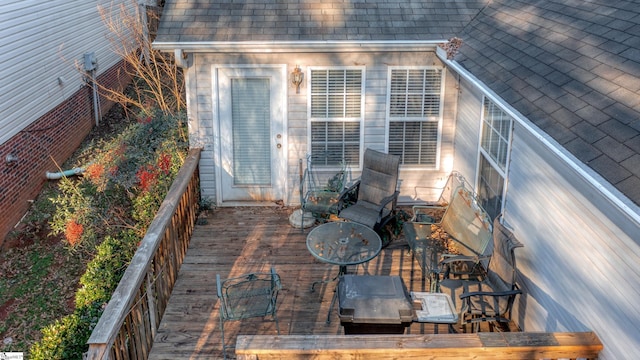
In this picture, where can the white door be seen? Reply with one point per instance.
(252, 124)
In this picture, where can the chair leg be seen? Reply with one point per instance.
(224, 348)
(275, 317)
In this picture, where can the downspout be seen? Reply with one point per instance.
(66, 173)
(90, 67)
(180, 58)
(96, 97)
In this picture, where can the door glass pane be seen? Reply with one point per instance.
(251, 131)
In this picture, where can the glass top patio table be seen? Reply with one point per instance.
(343, 243)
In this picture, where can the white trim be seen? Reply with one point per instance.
(297, 46)
(217, 144)
(361, 119)
(440, 120)
(483, 153)
(599, 183)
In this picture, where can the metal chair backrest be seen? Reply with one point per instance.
(249, 295)
(468, 224)
(501, 272)
(316, 178)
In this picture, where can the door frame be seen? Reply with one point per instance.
(278, 72)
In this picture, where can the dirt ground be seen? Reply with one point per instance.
(39, 274)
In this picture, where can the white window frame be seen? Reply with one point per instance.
(483, 153)
(359, 120)
(438, 118)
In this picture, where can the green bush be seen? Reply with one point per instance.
(67, 337)
(123, 185)
(106, 213)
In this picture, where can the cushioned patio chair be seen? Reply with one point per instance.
(492, 298)
(376, 191)
(247, 296)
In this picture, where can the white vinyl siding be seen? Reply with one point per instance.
(415, 115)
(336, 107)
(495, 140)
(42, 41)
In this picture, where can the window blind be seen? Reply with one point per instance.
(251, 129)
(415, 114)
(336, 106)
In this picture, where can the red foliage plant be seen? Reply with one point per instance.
(146, 177)
(144, 120)
(73, 232)
(94, 171)
(164, 163)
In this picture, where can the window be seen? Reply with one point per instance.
(494, 157)
(336, 115)
(415, 114)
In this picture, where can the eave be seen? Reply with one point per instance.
(298, 46)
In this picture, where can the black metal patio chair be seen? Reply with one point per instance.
(492, 298)
(247, 296)
(320, 195)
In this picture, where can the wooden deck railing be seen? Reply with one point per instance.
(477, 346)
(128, 325)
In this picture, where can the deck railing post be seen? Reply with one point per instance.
(151, 300)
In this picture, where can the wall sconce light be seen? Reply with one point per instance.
(296, 78)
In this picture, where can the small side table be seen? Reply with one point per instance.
(436, 308)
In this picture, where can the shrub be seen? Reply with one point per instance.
(124, 183)
(106, 213)
(67, 337)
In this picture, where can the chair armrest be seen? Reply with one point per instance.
(384, 202)
(388, 199)
(490, 293)
(448, 259)
(418, 216)
(345, 191)
(343, 195)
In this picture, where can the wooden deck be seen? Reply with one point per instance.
(241, 240)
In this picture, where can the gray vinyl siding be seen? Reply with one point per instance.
(200, 82)
(467, 137)
(580, 265)
(41, 41)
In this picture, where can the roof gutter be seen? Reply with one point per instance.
(297, 46)
(611, 193)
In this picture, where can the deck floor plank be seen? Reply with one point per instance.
(241, 240)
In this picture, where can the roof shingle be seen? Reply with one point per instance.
(585, 56)
(571, 66)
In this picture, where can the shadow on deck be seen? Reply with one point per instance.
(241, 240)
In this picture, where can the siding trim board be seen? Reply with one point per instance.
(594, 179)
(298, 46)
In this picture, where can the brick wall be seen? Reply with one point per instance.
(53, 137)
